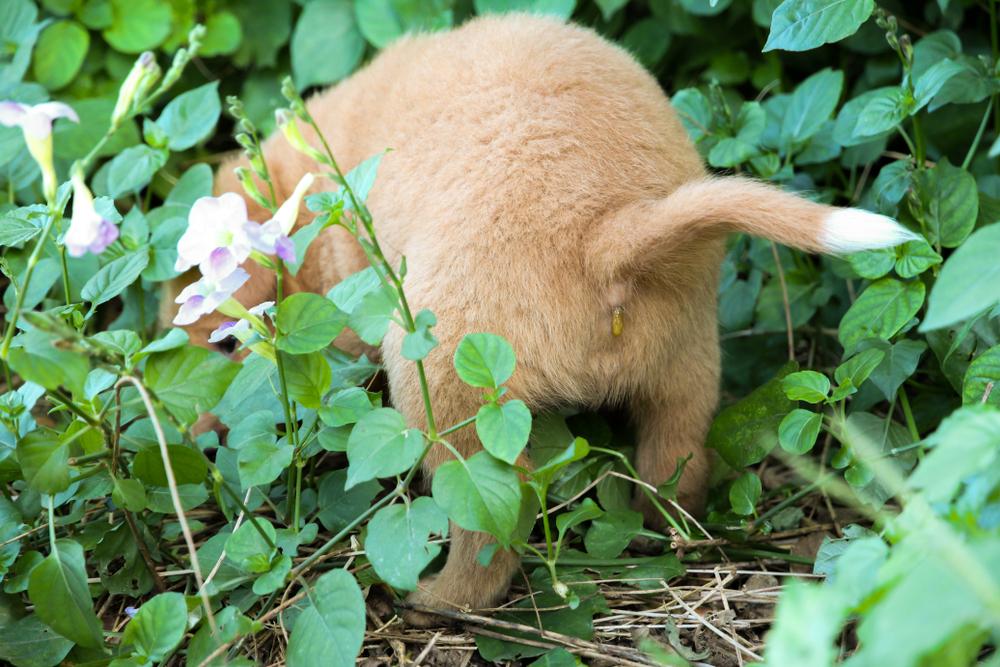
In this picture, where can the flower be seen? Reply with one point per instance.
(205, 295)
(36, 124)
(272, 237)
(239, 328)
(144, 73)
(286, 123)
(88, 231)
(217, 238)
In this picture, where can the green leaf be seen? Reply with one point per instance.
(18, 226)
(899, 363)
(223, 35)
(966, 442)
(744, 433)
(983, 372)
(969, 281)
(339, 506)
(930, 82)
(189, 465)
(44, 462)
(27, 642)
(800, 25)
(881, 311)
(647, 39)
(58, 589)
(114, 278)
(308, 322)
(695, 112)
(418, 344)
(189, 118)
(371, 317)
(798, 431)
(891, 185)
(873, 264)
(384, 21)
(59, 53)
(381, 446)
(744, 493)
(585, 511)
(915, 257)
(857, 369)
(949, 202)
(807, 621)
(248, 549)
(330, 632)
(138, 25)
(133, 169)
(504, 428)
(39, 360)
(326, 45)
(812, 103)
(845, 129)
(545, 474)
(262, 461)
(397, 542)
(611, 532)
(882, 111)
(480, 493)
(808, 386)
(307, 377)
(346, 407)
(129, 494)
(158, 627)
(749, 125)
(561, 8)
(484, 360)
(189, 380)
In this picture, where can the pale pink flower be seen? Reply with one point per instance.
(35, 122)
(272, 238)
(240, 328)
(88, 231)
(205, 295)
(217, 239)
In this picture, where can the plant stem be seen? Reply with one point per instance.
(65, 274)
(459, 425)
(979, 134)
(801, 493)
(22, 290)
(911, 423)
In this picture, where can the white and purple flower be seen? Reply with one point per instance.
(35, 122)
(88, 230)
(272, 238)
(204, 296)
(217, 239)
(239, 328)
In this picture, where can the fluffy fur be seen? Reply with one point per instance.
(539, 180)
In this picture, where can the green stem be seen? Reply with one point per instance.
(979, 135)
(74, 408)
(65, 274)
(918, 137)
(804, 491)
(995, 44)
(52, 525)
(911, 423)
(459, 425)
(243, 508)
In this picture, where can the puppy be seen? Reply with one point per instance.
(540, 185)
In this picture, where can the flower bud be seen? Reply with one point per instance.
(144, 73)
(250, 187)
(290, 128)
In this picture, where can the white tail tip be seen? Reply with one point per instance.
(848, 230)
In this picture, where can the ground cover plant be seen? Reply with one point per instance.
(858, 474)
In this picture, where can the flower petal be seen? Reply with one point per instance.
(57, 110)
(219, 264)
(12, 113)
(223, 332)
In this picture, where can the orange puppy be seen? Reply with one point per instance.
(539, 181)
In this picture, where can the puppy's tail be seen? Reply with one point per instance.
(712, 207)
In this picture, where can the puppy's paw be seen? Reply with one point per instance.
(418, 601)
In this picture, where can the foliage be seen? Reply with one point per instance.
(872, 375)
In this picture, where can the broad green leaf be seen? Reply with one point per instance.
(969, 281)
(44, 461)
(248, 550)
(744, 493)
(891, 185)
(326, 44)
(381, 445)
(138, 25)
(561, 8)
(484, 360)
(27, 642)
(808, 386)
(847, 119)
(189, 465)
(929, 83)
(807, 620)
(949, 202)
(857, 369)
(362, 178)
(397, 542)
(800, 25)
(881, 311)
(39, 360)
(882, 112)
(418, 344)
(129, 494)
(18, 226)
(383, 21)
(231, 625)
(588, 510)
(223, 34)
(193, 184)
(346, 407)
(695, 112)
(308, 322)
(983, 372)
(133, 169)
(647, 39)
(611, 532)
(158, 627)
(576, 450)
(812, 103)
(189, 380)
(114, 278)
(798, 431)
(329, 633)
(191, 117)
(58, 589)
(749, 125)
(59, 53)
(480, 493)
(370, 319)
(338, 506)
(504, 428)
(744, 433)
(307, 377)
(915, 257)
(899, 363)
(262, 461)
